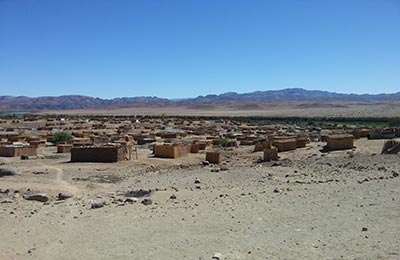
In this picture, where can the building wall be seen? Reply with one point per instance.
(301, 142)
(98, 154)
(270, 154)
(286, 144)
(64, 148)
(10, 151)
(213, 157)
(340, 143)
(262, 145)
(171, 151)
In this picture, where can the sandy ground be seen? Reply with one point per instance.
(308, 205)
(299, 109)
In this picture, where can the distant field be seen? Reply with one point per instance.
(295, 109)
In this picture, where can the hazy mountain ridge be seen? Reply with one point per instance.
(252, 99)
(298, 94)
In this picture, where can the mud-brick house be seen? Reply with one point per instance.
(82, 142)
(391, 147)
(64, 148)
(17, 151)
(301, 141)
(270, 154)
(214, 157)
(340, 142)
(262, 144)
(247, 140)
(397, 132)
(377, 133)
(17, 139)
(106, 153)
(286, 144)
(360, 133)
(194, 148)
(171, 150)
(38, 143)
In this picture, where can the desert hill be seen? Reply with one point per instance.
(257, 99)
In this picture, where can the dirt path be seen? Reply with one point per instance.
(60, 184)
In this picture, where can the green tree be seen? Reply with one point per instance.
(62, 137)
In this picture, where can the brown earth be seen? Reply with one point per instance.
(272, 109)
(307, 205)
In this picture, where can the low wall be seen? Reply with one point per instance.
(360, 133)
(64, 148)
(286, 144)
(98, 154)
(339, 142)
(171, 151)
(270, 154)
(301, 142)
(12, 151)
(262, 145)
(213, 157)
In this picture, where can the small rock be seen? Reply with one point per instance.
(147, 202)
(138, 193)
(395, 174)
(217, 256)
(97, 205)
(39, 172)
(276, 190)
(7, 172)
(64, 196)
(173, 197)
(205, 163)
(24, 157)
(41, 197)
(131, 200)
(196, 181)
(223, 168)
(364, 229)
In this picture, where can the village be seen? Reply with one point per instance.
(77, 172)
(114, 140)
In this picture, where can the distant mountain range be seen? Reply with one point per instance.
(250, 100)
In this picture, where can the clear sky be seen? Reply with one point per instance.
(186, 48)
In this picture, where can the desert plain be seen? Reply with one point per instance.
(308, 204)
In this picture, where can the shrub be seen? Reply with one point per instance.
(223, 142)
(62, 137)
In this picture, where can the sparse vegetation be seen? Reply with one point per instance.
(62, 137)
(223, 142)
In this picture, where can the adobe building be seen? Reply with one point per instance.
(171, 150)
(397, 132)
(82, 142)
(381, 133)
(64, 148)
(17, 151)
(213, 157)
(38, 143)
(301, 142)
(194, 148)
(270, 154)
(284, 145)
(360, 133)
(391, 147)
(101, 153)
(262, 144)
(340, 142)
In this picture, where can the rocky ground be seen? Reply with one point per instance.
(307, 205)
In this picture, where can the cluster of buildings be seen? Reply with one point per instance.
(109, 139)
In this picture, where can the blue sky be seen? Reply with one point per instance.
(187, 48)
